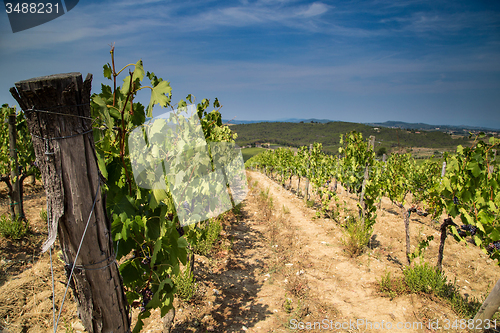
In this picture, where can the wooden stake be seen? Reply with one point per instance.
(65, 154)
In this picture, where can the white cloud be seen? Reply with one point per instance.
(315, 9)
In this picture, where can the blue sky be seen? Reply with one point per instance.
(436, 62)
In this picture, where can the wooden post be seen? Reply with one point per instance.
(362, 211)
(306, 195)
(65, 154)
(15, 205)
(489, 307)
(372, 142)
(406, 214)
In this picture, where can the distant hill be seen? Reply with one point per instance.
(302, 134)
(288, 120)
(427, 127)
(463, 129)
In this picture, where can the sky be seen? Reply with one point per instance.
(436, 62)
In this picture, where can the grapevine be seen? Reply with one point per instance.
(145, 225)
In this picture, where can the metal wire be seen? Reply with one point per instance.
(77, 253)
(52, 275)
(63, 137)
(59, 113)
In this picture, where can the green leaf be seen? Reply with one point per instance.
(495, 235)
(102, 165)
(137, 77)
(159, 95)
(158, 196)
(153, 228)
(139, 116)
(140, 324)
(474, 167)
(182, 246)
(466, 196)
(478, 242)
(166, 306)
(107, 71)
(130, 272)
(121, 203)
(156, 249)
(467, 217)
(155, 301)
(446, 183)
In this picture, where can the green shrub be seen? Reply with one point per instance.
(14, 229)
(356, 236)
(391, 287)
(208, 237)
(426, 279)
(185, 284)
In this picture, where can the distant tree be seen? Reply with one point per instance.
(381, 151)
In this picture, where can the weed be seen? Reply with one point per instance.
(424, 278)
(391, 287)
(288, 305)
(286, 210)
(14, 229)
(68, 327)
(43, 215)
(264, 195)
(208, 238)
(310, 203)
(185, 284)
(357, 235)
(462, 306)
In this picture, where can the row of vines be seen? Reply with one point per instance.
(466, 191)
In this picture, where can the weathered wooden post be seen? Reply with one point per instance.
(57, 109)
(16, 208)
(489, 308)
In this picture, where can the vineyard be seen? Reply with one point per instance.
(318, 236)
(465, 187)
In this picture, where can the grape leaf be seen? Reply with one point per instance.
(107, 71)
(159, 95)
(137, 77)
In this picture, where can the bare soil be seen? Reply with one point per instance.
(274, 267)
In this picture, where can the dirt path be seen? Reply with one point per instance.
(348, 287)
(337, 281)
